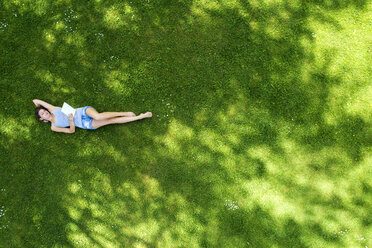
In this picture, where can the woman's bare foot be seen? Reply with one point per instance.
(146, 115)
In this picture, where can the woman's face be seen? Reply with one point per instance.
(44, 114)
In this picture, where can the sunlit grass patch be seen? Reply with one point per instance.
(113, 18)
(360, 103)
(75, 39)
(130, 210)
(39, 7)
(59, 25)
(49, 36)
(177, 133)
(56, 84)
(121, 16)
(13, 130)
(342, 53)
(116, 80)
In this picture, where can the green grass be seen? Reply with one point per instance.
(260, 136)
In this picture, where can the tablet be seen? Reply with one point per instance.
(67, 109)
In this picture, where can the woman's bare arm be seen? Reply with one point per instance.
(46, 105)
(62, 129)
(71, 129)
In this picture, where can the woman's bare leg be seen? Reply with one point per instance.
(107, 115)
(119, 120)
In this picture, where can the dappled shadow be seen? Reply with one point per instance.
(243, 149)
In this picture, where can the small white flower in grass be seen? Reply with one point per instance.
(3, 26)
(313, 35)
(231, 205)
(99, 34)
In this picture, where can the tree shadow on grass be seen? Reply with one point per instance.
(33, 188)
(232, 77)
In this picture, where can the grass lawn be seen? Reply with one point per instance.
(261, 133)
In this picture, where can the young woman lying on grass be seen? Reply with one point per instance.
(85, 117)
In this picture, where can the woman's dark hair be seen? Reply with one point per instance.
(37, 112)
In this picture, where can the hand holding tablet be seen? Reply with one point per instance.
(67, 109)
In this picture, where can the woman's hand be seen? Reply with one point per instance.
(72, 124)
(36, 102)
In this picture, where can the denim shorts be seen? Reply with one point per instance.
(86, 120)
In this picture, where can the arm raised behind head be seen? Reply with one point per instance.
(46, 105)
